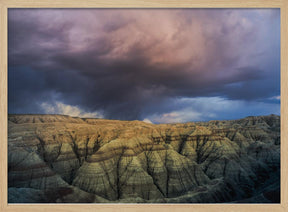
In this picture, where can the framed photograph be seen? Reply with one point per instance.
(141, 105)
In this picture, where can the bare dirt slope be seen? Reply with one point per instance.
(56, 158)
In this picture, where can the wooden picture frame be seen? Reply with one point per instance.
(6, 4)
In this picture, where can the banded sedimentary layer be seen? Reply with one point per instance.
(57, 158)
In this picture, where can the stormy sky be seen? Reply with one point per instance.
(158, 65)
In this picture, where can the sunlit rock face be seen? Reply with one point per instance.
(56, 158)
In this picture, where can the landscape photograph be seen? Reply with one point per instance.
(150, 106)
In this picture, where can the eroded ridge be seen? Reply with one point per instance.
(56, 158)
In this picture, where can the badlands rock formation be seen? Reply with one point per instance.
(57, 158)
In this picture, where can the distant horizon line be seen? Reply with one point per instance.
(36, 114)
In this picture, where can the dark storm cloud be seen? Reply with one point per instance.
(128, 62)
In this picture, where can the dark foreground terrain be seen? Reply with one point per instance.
(56, 158)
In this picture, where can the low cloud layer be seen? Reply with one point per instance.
(60, 108)
(129, 64)
(212, 108)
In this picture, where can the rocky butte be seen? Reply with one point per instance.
(63, 159)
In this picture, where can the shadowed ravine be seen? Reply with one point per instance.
(57, 158)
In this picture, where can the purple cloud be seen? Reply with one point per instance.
(125, 62)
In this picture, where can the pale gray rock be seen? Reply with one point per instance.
(55, 158)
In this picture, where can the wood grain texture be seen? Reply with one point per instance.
(284, 105)
(5, 4)
(145, 3)
(3, 108)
